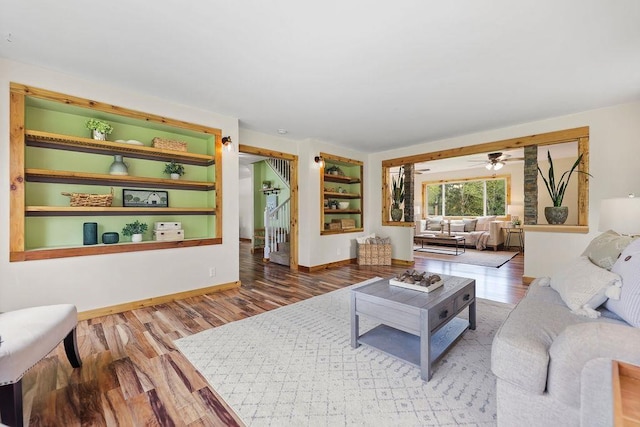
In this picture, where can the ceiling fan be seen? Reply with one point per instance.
(495, 161)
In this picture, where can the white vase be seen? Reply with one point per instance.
(118, 167)
(99, 135)
(136, 238)
(175, 176)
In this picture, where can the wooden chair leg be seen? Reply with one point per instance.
(71, 348)
(11, 404)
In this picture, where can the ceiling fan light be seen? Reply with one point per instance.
(489, 166)
(498, 166)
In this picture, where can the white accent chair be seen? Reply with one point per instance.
(26, 337)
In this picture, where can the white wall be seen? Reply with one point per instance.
(97, 281)
(245, 219)
(614, 153)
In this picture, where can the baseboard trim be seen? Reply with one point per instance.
(320, 267)
(127, 306)
(527, 280)
(402, 262)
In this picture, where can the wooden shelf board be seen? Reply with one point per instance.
(341, 211)
(68, 177)
(47, 253)
(64, 142)
(348, 230)
(334, 195)
(111, 211)
(341, 179)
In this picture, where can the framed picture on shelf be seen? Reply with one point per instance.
(145, 198)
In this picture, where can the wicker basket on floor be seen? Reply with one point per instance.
(169, 144)
(86, 199)
(372, 254)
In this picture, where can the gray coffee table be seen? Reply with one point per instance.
(416, 326)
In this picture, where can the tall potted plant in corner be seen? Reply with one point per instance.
(557, 214)
(397, 195)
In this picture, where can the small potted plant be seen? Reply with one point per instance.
(135, 230)
(333, 204)
(515, 221)
(175, 170)
(99, 128)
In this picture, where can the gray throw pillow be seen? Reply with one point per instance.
(605, 249)
(470, 224)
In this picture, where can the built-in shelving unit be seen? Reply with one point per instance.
(50, 155)
(341, 181)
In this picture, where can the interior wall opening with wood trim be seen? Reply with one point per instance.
(576, 139)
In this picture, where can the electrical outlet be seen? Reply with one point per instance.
(212, 271)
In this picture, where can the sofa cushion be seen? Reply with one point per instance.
(470, 224)
(520, 351)
(434, 223)
(584, 286)
(605, 249)
(484, 222)
(628, 267)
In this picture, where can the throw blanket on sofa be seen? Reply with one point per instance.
(480, 238)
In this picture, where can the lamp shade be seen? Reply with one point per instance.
(621, 215)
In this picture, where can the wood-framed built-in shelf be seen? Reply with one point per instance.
(73, 143)
(341, 211)
(348, 175)
(100, 249)
(344, 230)
(334, 195)
(46, 141)
(69, 177)
(110, 211)
(341, 179)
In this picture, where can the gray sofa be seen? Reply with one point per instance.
(553, 367)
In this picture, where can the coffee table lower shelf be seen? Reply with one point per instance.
(406, 346)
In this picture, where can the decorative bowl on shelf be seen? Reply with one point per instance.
(343, 205)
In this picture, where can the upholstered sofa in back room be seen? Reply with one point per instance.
(553, 354)
(480, 232)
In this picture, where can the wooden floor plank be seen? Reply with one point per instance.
(133, 375)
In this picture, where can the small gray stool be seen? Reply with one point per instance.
(27, 336)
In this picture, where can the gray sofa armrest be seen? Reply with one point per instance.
(579, 344)
(596, 394)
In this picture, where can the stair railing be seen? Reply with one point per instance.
(276, 226)
(281, 168)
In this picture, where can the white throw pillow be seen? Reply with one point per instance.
(484, 222)
(584, 286)
(628, 267)
(457, 228)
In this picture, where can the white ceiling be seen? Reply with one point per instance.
(371, 75)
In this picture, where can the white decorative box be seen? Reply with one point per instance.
(167, 226)
(168, 235)
(429, 288)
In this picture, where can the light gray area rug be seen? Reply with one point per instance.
(486, 258)
(294, 366)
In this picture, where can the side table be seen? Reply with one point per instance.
(517, 232)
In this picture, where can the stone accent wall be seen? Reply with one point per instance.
(531, 184)
(409, 187)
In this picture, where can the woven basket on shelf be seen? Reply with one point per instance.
(169, 144)
(86, 199)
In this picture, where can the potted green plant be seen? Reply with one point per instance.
(100, 129)
(175, 170)
(557, 214)
(135, 230)
(397, 195)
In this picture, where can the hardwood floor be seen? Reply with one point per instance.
(132, 374)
